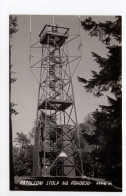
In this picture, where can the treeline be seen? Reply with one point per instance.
(23, 154)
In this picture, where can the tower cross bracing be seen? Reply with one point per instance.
(57, 150)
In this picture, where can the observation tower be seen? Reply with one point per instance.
(57, 150)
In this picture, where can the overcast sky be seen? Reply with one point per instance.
(25, 89)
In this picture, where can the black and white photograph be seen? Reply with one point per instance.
(65, 100)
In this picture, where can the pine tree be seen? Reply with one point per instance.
(12, 29)
(13, 23)
(107, 79)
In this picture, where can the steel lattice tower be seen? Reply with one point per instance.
(57, 146)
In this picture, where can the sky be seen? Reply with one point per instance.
(25, 89)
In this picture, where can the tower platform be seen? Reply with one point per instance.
(57, 35)
(55, 104)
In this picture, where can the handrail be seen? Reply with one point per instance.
(45, 27)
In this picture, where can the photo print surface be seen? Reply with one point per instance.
(65, 103)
